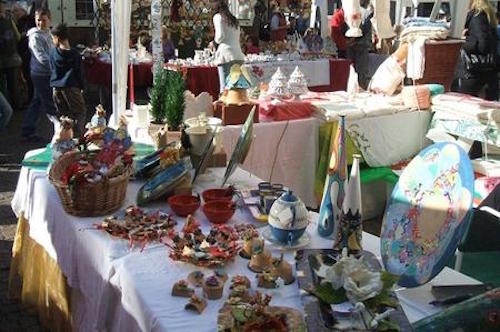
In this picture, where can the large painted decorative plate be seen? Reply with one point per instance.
(242, 147)
(428, 214)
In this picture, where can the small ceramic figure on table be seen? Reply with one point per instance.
(237, 83)
(182, 289)
(64, 141)
(98, 121)
(212, 288)
(196, 304)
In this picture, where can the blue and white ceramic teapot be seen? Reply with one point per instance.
(288, 218)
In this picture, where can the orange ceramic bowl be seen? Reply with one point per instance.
(225, 194)
(219, 211)
(184, 205)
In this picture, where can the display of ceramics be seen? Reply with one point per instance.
(301, 242)
(138, 226)
(182, 289)
(288, 218)
(427, 214)
(196, 304)
(282, 269)
(278, 85)
(351, 230)
(184, 205)
(242, 147)
(336, 180)
(213, 249)
(297, 84)
(219, 212)
(205, 157)
(164, 182)
(218, 194)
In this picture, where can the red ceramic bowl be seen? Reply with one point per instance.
(219, 211)
(183, 205)
(225, 194)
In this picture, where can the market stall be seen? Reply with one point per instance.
(113, 287)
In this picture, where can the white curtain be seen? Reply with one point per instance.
(120, 36)
(322, 6)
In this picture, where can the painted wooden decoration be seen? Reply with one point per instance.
(427, 214)
(333, 193)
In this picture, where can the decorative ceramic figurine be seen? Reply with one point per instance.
(237, 83)
(282, 269)
(196, 304)
(196, 278)
(212, 288)
(288, 218)
(240, 280)
(267, 280)
(297, 85)
(261, 260)
(98, 121)
(278, 86)
(333, 193)
(182, 289)
(161, 137)
(64, 140)
(351, 229)
(352, 15)
(250, 243)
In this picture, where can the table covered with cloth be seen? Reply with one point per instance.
(98, 72)
(334, 75)
(102, 284)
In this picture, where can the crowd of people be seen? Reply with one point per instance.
(40, 59)
(41, 74)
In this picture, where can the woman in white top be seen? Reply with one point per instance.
(227, 37)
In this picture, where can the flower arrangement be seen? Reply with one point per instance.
(352, 280)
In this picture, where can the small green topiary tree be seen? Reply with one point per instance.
(158, 95)
(174, 99)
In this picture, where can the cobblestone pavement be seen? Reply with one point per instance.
(12, 316)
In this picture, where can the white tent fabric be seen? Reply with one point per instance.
(120, 36)
(156, 27)
(322, 5)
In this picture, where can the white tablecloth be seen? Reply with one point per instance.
(120, 289)
(317, 72)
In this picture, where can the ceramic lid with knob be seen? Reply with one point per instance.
(288, 212)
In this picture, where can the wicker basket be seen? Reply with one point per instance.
(88, 199)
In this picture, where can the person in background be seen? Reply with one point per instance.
(167, 44)
(292, 26)
(66, 78)
(278, 24)
(227, 37)
(24, 23)
(251, 47)
(498, 37)
(10, 61)
(481, 39)
(5, 112)
(40, 44)
(338, 29)
(302, 22)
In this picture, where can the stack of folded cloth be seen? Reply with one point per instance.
(457, 106)
(362, 105)
(422, 26)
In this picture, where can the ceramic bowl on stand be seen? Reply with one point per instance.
(288, 218)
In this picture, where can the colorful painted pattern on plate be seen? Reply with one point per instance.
(427, 214)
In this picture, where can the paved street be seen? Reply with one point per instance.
(12, 316)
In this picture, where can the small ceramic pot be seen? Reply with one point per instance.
(225, 194)
(219, 211)
(288, 218)
(184, 205)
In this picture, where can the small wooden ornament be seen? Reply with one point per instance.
(196, 304)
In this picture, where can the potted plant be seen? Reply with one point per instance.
(174, 103)
(157, 95)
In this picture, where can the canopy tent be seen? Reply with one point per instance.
(120, 37)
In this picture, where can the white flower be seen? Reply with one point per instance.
(362, 284)
(359, 282)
